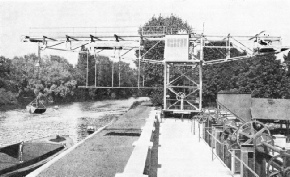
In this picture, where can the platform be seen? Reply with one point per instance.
(181, 154)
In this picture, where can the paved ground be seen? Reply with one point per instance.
(106, 153)
(180, 153)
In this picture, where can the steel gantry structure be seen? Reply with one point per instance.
(183, 55)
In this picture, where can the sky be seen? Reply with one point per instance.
(217, 17)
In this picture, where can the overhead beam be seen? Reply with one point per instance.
(69, 37)
(116, 37)
(45, 37)
(94, 37)
(218, 47)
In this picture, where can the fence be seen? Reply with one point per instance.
(229, 157)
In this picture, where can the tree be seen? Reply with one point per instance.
(100, 72)
(264, 78)
(221, 76)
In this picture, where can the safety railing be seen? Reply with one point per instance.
(208, 136)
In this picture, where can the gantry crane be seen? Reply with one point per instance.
(183, 55)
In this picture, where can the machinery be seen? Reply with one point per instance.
(261, 124)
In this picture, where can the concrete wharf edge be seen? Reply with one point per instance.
(48, 164)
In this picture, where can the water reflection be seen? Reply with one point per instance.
(72, 120)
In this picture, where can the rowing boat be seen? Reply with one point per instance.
(21, 158)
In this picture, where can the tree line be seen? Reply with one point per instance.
(23, 78)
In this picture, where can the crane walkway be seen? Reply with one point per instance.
(181, 154)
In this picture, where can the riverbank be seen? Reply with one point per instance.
(10, 107)
(22, 105)
(105, 153)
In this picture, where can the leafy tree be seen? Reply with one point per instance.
(264, 78)
(221, 76)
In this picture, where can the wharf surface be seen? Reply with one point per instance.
(181, 154)
(176, 153)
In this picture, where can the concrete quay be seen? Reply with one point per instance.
(181, 154)
(125, 149)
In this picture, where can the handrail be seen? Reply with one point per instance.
(253, 172)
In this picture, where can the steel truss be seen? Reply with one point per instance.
(182, 78)
(182, 87)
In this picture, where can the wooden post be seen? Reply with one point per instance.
(20, 152)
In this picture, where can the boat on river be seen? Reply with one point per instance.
(22, 158)
(36, 107)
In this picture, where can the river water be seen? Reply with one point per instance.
(71, 119)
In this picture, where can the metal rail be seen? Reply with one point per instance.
(253, 172)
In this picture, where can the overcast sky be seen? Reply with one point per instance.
(238, 17)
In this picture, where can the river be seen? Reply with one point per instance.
(71, 119)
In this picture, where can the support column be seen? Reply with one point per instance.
(228, 44)
(113, 68)
(87, 79)
(119, 68)
(218, 131)
(39, 61)
(235, 164)
(164, 86)
(139, 68)
(200, 73)
(248, 157)
(95, 69)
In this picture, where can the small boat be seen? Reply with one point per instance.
(22, 158)
(91, 129)
(36, 107)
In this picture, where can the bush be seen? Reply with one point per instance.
(7, 97)
(156, 97)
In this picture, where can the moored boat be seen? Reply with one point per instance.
(21, 158)
(36, 107)
(91, 129)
